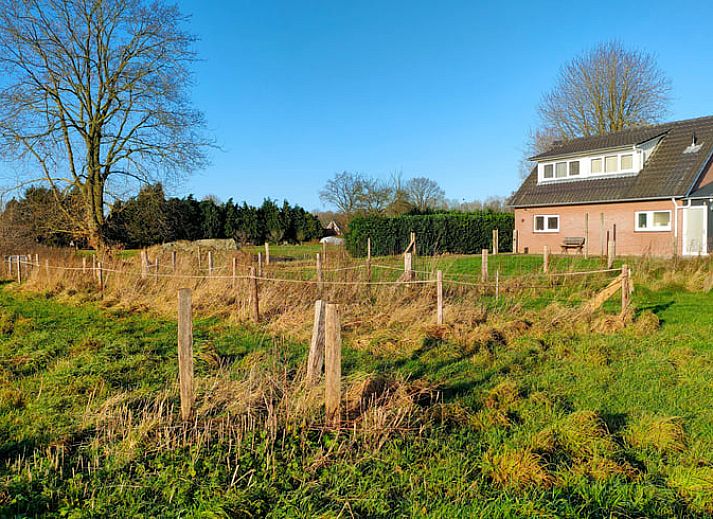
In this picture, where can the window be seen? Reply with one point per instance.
(597, 166)
(627, 162)
(561, 170)
(653, 221)
(549, 171)
(574, 168)
(611, 164)
(547, 223)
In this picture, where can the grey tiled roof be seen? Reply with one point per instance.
(669, 172)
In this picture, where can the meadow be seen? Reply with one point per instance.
(513, 408)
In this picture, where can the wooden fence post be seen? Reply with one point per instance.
(320, 276)
(210, 263)
(332, 364)
(254, 293)
(546, 259)
(185, 352)
(586, 235)
(235, 271)
(37, 260)
(368, 260)
(409, 274)
(484, 266)
(611, 253)
(439, 297)
(174, 260)
(496, 245)
(497, 285)
(315, 360)
(413, 240)
(267, 254)
(19, 269)
(100, 276)
(625, 289)
(84, 264)
(514, 241)
(144, 265)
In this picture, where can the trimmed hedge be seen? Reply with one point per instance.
(457, 233)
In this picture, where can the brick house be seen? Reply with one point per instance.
(650, 188)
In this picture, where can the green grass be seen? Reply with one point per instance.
(553, 422)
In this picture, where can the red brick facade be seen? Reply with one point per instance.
(622, 215)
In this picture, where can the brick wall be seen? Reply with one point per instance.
(572, 223)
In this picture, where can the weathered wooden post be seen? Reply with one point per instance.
(100, 276)
(413, 241)
(514, 241)
(586, 235)
(37, 260)
(19, 268)
(409, 274)
(174, 260)
(315, 359)
(267, 254)
(254, 293)
(320, 275)
(332, 364)
(210, 263)
(546, 259)
(611, 253)
(625, 289)
(484, 265)
(185, 352)
(84, 264)
(144, 265)
(439, 297)
(235, 272)
(496, 245)
(368, 260)
(497, 285)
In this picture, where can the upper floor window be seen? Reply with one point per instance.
(611, 164)
(627, 162)
(597, 166)
(574, 168)
(549, 171)
(561, 170)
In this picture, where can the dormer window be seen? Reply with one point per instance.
(561, 170)
(627, 162)
(624, 161)
(549, 171)
(574, 168)
(597, 166)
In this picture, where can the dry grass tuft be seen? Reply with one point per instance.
(646, 323)
(515, 469)
(664, 434)
(503, 396)
(582, 435)
(602, 469)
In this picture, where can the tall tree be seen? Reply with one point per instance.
(95, 91)
(424, 193)
(606, 89)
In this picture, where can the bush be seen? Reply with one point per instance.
(457, 233)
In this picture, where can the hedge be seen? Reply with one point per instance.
(456, 233)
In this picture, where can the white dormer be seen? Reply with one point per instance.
(608, 163)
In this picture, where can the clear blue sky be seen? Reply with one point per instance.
(296, 90)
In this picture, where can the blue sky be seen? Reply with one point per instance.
(295, 91)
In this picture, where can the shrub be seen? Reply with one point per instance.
(456, 233)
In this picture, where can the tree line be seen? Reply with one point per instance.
(150, 218)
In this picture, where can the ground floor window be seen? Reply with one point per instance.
(653, 220)
(547, 223)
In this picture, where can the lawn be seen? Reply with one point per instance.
(557, 420)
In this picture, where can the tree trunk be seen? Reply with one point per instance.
(94, 197)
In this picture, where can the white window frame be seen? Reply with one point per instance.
(650, 218)
(546, 217)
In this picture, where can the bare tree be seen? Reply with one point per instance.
(604, 90)
(424, 193)
(94, 91)
(344, 192)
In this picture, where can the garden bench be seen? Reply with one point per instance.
(573, 242)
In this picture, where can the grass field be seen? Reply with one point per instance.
(505, 418)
